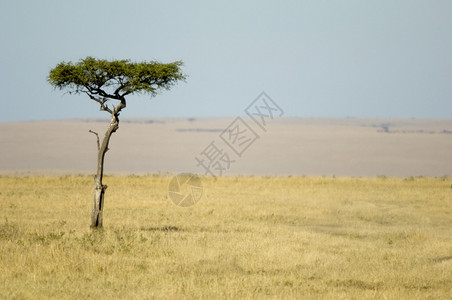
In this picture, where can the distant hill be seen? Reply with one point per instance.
(287, 146)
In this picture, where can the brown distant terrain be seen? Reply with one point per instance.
(289, 146)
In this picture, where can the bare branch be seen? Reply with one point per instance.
(102, 102)
(119, 107)
(101, 92)
(97, 135)
(120, 87)
(93, 90)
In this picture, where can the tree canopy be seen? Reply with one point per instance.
(115, 79)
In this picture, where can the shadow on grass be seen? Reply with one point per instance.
(441, 259)
(162, 228)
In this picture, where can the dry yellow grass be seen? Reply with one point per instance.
(249, 237)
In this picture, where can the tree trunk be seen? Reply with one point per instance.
(99, 192)
(99, 188)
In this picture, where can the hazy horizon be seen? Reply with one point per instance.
(137, 119)
(288, 146)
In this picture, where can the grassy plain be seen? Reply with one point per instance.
(249, 237)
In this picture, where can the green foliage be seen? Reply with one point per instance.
(115, 79)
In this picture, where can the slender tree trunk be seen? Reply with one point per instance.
(99, 188)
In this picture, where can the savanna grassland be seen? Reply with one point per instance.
(248, 237)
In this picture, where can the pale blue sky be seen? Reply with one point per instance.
(314, 58)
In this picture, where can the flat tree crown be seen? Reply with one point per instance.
(115, 79)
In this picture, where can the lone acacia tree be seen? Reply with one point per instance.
(108, 83)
